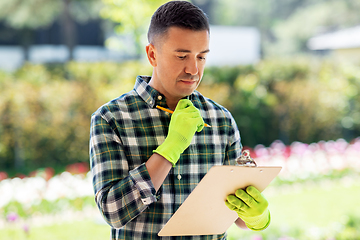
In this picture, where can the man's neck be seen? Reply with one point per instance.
(170, 100)
(172, 103)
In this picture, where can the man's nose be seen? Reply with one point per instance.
(192, 67)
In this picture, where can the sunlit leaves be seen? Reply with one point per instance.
(34, 14)
(132, 18)
(29, 13)
(47, 110)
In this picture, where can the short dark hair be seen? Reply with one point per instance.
(181, 14)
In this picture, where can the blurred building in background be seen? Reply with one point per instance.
(229, 46)
(48, 46)
(343, 45)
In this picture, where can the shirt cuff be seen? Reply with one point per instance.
(142, 181)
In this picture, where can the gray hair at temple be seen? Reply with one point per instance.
(180, 14)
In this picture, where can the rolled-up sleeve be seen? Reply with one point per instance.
(121, 193)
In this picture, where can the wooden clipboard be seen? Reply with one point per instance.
(204, 211)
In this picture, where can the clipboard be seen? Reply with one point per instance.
(204, 211)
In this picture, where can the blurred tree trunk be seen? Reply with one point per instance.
(26, 41)
(18, 154)
(283, 131)
(69, 29)
(207, 6)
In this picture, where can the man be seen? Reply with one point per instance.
(145, 162)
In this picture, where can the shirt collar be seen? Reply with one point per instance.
(150, 95)
(146, 92)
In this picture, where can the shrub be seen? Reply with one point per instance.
(45, 110)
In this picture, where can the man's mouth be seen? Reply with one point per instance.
(188, 81)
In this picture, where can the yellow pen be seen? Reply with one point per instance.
(170, 111)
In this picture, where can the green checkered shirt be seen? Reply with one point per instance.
(124, 132)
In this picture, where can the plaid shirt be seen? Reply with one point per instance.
(123, 135)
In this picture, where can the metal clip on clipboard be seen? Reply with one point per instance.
(246, 160)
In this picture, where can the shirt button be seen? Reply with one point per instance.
(159, 97)
(179, 177)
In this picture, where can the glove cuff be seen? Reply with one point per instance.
(258, 223)
(171, 149)
(172, 158)
(173, 146)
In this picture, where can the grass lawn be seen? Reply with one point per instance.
(82, 230)
(316, 206)
(293, 208)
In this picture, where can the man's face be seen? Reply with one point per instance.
(179, 59)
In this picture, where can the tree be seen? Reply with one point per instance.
(293, 34)
(286, 25)
(208, 7)
(262, 14)
(33, 14)
(20, 15)
(132, 17)
(76, 11)
(29, 15)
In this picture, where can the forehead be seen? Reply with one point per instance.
(180, 38)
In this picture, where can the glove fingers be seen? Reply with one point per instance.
(236, 204)
(255, 194)
(235, 201)
(192, 109)
(200, 126)
(195, 116)
(246, 198)
(187, 106)
(200, 122)
(183, 103)
(230, 206)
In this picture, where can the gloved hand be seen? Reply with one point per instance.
(185, 121)
(251, 207)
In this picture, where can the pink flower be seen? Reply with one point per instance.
(356, 145)
(257, 237)
(3, 175)
(261, 151)
(26, 228)
(12, 217)
(78, 168)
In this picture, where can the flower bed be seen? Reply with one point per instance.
(40, 200)
(45, 199)
(302, 161)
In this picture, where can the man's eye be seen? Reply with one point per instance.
(202, 58)
(181, 57)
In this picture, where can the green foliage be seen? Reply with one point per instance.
(71, 229)
(45, 110)
(307, 211)
(350, 229)
(317, 17)
(293, 100)
(132, 18)
(286, 25)
(20, 14)
(45, 114)
(45, 207)
(27, 16)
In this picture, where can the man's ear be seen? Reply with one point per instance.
(151, 54)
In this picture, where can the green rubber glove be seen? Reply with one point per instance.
(251, 207)
(185, 121)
